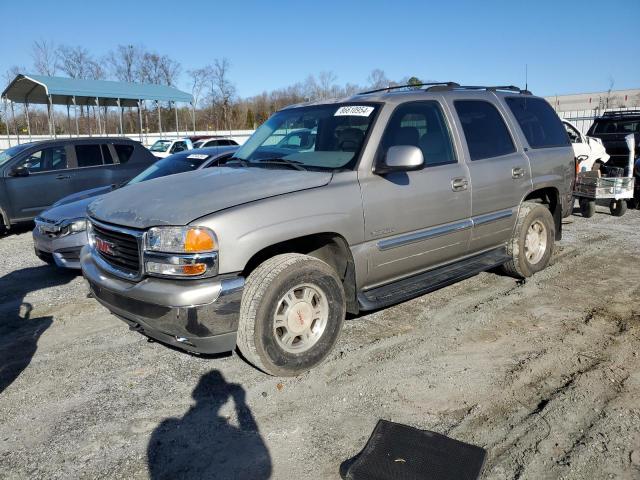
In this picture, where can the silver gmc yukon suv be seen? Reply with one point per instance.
(392, 194)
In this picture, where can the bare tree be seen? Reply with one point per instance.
(74, 61)
(326, 84)
(221, 87)
(124, 62)
(43, 53)
(158, 69)
(377, 79)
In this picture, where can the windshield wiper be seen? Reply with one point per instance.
(283, 161)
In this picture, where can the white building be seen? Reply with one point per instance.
(582, 108)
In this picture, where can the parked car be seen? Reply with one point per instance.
(589, 151)
(612, 128)
(60, 232)
(404, 192)
(301, 139)
(214, 142)
(35, 175)
(164, 147)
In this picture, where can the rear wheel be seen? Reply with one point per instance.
(532, 244)
(618, 207)
(292, 311)
(587, 207)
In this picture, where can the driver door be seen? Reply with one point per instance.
(420, 219)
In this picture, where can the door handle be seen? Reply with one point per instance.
(63, 177)
(517, 172)
(459, 184)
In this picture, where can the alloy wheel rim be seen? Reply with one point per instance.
(300, 318)
(535, 244)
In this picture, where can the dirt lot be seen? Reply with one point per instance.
(544, 374)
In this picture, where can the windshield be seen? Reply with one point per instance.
(170, 165)
(161, 146)
(8, 154)
(620, 126)
(324, 137)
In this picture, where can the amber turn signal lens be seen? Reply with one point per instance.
(196, 269)
(199, 240)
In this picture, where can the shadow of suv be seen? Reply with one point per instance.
(35, 175)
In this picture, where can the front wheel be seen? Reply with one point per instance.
(291, 315)
(532, 243)
(618, 207)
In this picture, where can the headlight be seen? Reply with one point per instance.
(181, 252)
(77, 225)
(181, 240)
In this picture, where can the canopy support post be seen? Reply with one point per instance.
(121, 113)
(98, 116)
(26, 112)
(193, 110)
(6, 120)
(15, 124)
(140, 121)
(159, 117)
(68, 120)
(75, 114)
(49, 107)
(175, 108)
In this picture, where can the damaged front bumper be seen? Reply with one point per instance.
(199, 316)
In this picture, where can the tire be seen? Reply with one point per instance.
(587, 207)
(618, 207)
(527, 259)
(633, 203)
(265, 297)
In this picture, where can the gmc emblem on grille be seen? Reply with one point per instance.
(105, 246)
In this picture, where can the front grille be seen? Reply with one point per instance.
(124, 248)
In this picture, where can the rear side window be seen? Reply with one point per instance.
(616, 126)
(538, 122)
(124, 152)
(422, 125)
(88, 155)
(484, 129)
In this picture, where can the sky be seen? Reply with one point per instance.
(567, 46)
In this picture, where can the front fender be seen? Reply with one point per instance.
(245, 230)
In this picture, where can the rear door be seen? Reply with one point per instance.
(499, 170)
(48, 181)
(93, 166)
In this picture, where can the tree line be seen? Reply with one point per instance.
(216, 103)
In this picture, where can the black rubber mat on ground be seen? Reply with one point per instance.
(400, 452)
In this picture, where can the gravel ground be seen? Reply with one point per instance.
(544, 375)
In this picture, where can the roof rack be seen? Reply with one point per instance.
(494, 88)
(409, 85)
(621, 113)
(448, 86)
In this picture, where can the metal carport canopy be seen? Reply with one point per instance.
(39, 89)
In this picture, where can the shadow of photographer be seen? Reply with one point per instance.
(203, 444)
(19, 333)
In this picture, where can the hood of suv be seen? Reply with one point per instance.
(182, 198)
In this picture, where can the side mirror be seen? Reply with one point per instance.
(21, 171)
(401, 158)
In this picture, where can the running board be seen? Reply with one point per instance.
(426, 282)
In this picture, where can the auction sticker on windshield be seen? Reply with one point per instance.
(354, 110)
(198, 156)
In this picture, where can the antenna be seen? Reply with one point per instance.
(526, 76)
